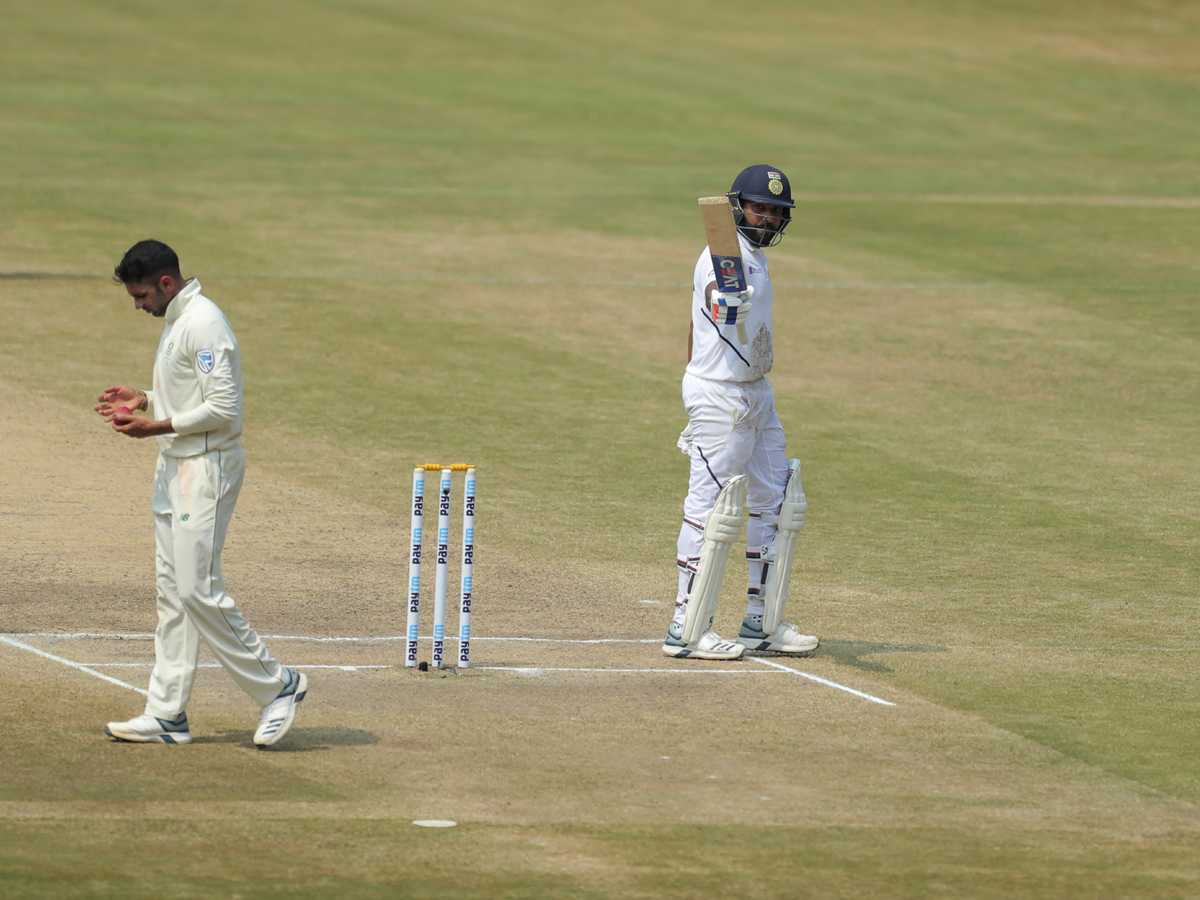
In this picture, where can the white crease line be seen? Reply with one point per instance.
(519, 669)
(474, 639)
(536, 640)
(73, 665)
(453, 637)
(75, 635)
(336, 640)
(291, 665)
(522, 669)
(362, 640)
(819, 680)
(536, 669)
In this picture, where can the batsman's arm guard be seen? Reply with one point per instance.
(721, 529)
(791, 520)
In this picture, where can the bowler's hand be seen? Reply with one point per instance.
(115, 397)
(136, 426)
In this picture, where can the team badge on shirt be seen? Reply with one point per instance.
(204, 359)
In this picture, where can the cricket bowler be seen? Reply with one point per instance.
(194, 411)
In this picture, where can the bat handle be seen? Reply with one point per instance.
(742, 336)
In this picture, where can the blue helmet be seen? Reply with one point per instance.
(763, 184)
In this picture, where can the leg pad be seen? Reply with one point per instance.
(791, 521)
(721, 529)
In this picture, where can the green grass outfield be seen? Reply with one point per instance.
(468, 228)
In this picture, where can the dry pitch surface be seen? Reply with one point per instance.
(549, 732)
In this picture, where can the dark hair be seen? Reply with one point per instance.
(145, 261)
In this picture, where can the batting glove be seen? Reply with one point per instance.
(685, 440)
(731, 307)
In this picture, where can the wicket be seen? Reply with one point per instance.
(441, 572)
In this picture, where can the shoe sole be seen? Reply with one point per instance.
(166, 737)
(685, 653)
(301, 691)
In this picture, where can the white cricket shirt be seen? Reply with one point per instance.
(716, 353)
(197, 377)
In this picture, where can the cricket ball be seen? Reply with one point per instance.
(123, 411)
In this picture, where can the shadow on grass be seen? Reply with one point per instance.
(851, 653)
(298, 740)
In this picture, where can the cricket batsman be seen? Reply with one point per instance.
(740, 472)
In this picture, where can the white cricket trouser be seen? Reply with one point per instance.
(193, 503)
(735, 429)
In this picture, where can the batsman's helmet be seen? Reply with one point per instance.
(765, 184)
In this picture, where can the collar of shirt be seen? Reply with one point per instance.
(749, 250)
(180, 301)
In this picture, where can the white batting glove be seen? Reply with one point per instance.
(730, 307)
(734, 298)
(685, 440)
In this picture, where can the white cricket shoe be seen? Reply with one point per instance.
(710, 646)
(785, 639)
(147, 729)
(278, 715)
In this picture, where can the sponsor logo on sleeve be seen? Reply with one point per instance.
(204, 359)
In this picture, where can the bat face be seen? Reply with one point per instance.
(721, 232)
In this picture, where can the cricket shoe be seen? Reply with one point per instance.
(784, 639)
(710, 646)
(278, 715)
(149, 730)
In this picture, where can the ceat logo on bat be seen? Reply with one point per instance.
(729, 274)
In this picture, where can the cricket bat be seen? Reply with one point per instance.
(721, 231)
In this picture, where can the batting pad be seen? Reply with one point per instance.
(791, 520)
(722, 528)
